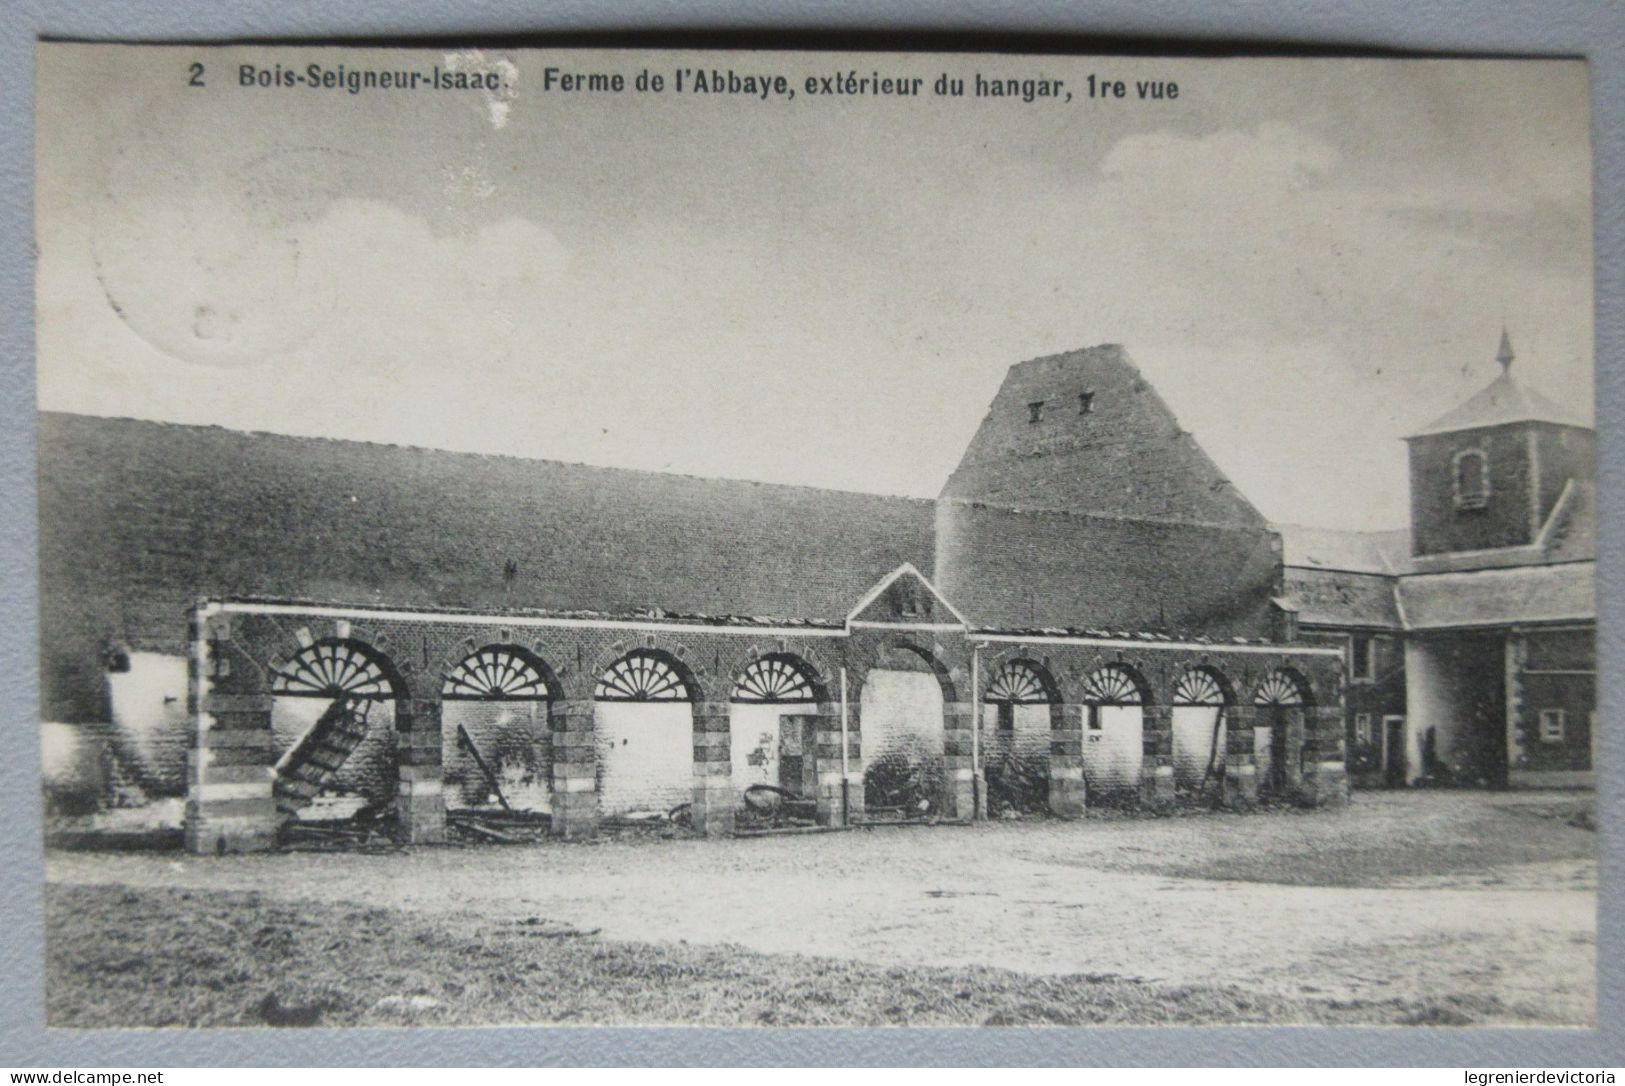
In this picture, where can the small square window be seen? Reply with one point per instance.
(1551, 725)
(1035, 411)
(1086, 402)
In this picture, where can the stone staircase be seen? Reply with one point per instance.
(311, 763)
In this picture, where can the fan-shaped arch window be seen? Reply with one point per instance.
(1472, 478)
(496, 673)
(1198, 686)
(775, 679)
(642, 676)
(333, 668)
(1018, 683)
(1112, 685)
(1279, 688)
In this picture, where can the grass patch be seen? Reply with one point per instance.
(122, 957)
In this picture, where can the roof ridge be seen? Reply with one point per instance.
(580, 464)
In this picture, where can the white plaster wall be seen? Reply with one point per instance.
(149, 717)
(901, 719)
(753, 732)
(70, 759)
(645, 755)
(1193, 742)
(1112, 753)
(901, 711)
(1431, 701)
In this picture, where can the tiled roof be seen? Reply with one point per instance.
(1084, 432)
(1503, 401)
(1356, 552)
(1499, 597)
(139, 519)
(146, 507)
(1328, 597)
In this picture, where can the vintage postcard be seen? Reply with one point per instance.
(730, 538)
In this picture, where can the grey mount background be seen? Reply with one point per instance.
(1594, 30)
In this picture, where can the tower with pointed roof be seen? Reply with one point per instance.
(1491, 473)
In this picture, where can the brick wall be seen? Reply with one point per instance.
(1022, 570)
(1565, 452)
(1505, 520)
(1554, 671)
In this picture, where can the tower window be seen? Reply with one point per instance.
(1086, 402)
(1470, 468)
(1551, 725)
(1035, 411)
(1360, 662)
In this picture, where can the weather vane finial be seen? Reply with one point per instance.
(1505, 355)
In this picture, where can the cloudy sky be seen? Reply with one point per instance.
(1308, 258)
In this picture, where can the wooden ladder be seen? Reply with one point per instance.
(313, 761)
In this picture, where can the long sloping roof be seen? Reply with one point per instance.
(1499, 597)
(138, 519)
(1343, 598)
(1504, 400)
(1356, 552)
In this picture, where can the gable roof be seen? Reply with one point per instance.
(1503, 401)
(871, 608)
(1084, 432)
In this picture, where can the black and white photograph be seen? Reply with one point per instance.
(676, 537)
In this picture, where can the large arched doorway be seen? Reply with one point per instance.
(1019, 705)
(1201, 700)
(332, 725)
(1278, 732)
(901, 714)
(772, 726)
(1113, 734)
(644, 716)
(494, 740)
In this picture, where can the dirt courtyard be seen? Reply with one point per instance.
(1401, 895)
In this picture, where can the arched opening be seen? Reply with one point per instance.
(1114, 733)
(1472, 479)
(644, 721)
(494, 736)
(1278, 732)
(901, 714)
(1019, 706)
(332, 722)
(772, 725)
(1202, 698)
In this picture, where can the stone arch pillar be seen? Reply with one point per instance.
(1067, 797)
(714, 799)
(231, 756)
(1325, 765)
(1157, 766)
(575, 767)
(959, 788)
(420, 802)
(834, 807)
(1240, 764)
